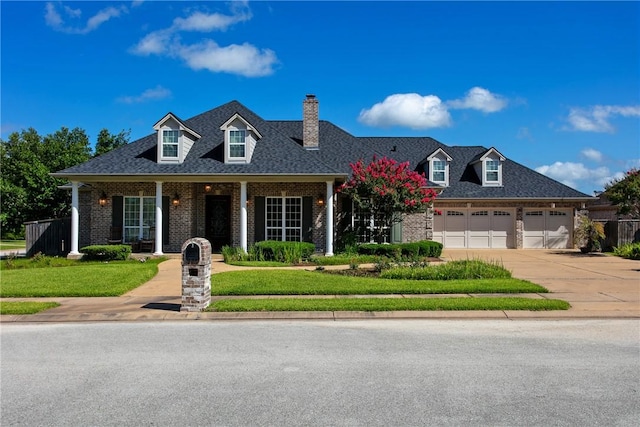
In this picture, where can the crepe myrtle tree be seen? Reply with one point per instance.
(386, 188)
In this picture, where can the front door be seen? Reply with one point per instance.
(218, 221)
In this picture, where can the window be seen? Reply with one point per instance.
(501, 213)
(455, 213)
(170, 143)
(284, 218)
(237, 143)
(491, 170)
(139, 217)
(439, 168)
(533, 213)
(557, 213)
(364, 224)
(480, 213)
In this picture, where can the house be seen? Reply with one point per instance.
(235, 178)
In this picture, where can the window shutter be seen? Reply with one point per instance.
(307, 215)
(396, 231)
(259, 218)
(117, 206)
(165, 220)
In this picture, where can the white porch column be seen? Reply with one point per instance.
(329, 216)
(75, 218)
(158, 237)
(243, 215)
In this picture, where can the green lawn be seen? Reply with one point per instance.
(80, 279)
(12, 244)
(299, 282)
(387, 304)
(25, 307)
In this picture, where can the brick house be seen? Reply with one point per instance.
(235, 178)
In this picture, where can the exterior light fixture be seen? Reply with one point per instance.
(176, 200)
(320, 199)
(207, 188)
(103, 199)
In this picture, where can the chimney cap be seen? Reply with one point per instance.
(310, 96)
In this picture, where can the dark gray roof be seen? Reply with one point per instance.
(280, 152)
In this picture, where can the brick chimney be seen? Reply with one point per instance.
(310, 124)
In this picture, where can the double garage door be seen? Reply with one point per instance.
(496, 228)
(475, 228)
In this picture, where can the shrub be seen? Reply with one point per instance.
(289, 252)
(413, 250)
(106, 252)
(588, 235)
(231, 253)
(462, 269)
(629, 250)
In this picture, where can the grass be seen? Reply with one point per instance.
(12, 244)
(299, 282)
(78, 279)
(25, 307)
(344, 259)
(461, 269)
(388, 304)
(259, 263)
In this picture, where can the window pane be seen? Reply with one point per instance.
(169, 150)
(492, 176)
(438, 176)
(170, 143)
(236, 150)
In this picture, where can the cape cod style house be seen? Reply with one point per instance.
(235, 178)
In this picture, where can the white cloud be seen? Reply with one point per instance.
(592, 154)
(577, 174)
(524, 133)
(481, 99)
(409, 109)
(56, 21)
(154, 94)
(596, 119)
(243, 59)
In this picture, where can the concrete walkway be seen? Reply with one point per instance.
(596, 286)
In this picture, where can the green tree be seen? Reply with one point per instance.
(386, 188)
(107, 141)
(625, 193)
(29, 192)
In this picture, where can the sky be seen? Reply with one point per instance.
(554, 86)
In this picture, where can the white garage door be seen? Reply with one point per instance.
(475, 228)
(549, 229)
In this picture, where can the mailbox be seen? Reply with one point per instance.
(196, 274)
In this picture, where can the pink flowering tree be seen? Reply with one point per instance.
(625, 193)
(386, 188)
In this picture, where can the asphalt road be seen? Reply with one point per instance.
(322, 373)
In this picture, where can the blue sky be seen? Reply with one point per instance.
(552, 85)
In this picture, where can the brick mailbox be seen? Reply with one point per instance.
(196, 274)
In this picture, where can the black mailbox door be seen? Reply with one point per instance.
(191, 254)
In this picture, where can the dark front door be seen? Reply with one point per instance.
(218, 221)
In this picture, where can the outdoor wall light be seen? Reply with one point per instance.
(103, 199)
(207, 188)
(176, 200)
(320, 199)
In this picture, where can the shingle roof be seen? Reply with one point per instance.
(280, 152)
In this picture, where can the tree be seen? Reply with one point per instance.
(625, 193)
(107, 141)
(29, 192)
(386, 188)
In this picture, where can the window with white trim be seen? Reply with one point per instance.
(139, 218)
(170, 143)
(492, 171)
(237, 144)
(439, 171)
(284, 219)
(364, 223)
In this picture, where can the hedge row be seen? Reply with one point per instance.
(422, 248)
(106, 252)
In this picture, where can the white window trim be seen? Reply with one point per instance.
(140, 222)
(485, 172)
(283, 218)
(243, 144)
(433, 170)
(163, 143)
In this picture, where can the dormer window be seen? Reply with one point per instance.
(175, 139)
(170, 143)
(240, 139)
(439, 167)
(237, 144)
(488, 167)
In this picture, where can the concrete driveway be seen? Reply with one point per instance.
(596, 286)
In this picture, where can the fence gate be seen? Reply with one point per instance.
(51, 237)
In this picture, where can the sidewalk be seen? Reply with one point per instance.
(596, 286)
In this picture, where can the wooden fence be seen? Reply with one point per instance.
(50, 237)
(620, 232)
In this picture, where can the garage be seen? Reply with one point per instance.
(547, 229)
(483, 228)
